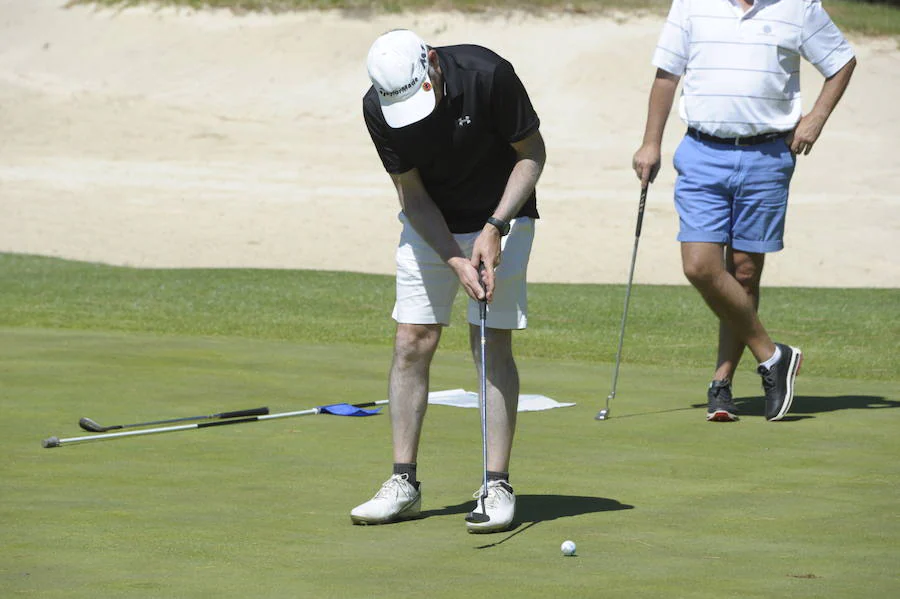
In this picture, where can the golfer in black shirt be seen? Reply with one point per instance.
(457, 133)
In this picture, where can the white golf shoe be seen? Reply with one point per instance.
(398, 499)
(500, 505)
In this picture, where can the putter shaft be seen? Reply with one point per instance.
(604, 413)
(474, 516)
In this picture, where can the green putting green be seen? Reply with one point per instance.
(659, 502)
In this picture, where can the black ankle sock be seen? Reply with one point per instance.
(504, 476)
(409, 470)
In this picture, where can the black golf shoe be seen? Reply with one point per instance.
(721, 406)
(778, 381)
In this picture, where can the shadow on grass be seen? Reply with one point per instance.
(538, 508)
(610, 414)
(804, 406)
(532, 509)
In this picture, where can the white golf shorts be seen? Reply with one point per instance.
(426, 286)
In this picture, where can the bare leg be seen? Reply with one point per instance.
(502, 392)
(704, 267)
(414, 347)
(747, 269)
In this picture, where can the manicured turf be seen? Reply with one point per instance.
(660, 502)
(847, 333)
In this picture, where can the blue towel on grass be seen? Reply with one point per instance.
(345, 409)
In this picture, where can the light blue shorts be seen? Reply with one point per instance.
(734, 195)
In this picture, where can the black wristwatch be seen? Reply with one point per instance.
(501, 225)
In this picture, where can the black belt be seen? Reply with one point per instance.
(737, 141)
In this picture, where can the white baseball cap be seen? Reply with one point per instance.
(398, 68)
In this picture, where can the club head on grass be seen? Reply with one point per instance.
(477, 517)
(89, 425)
(602, 414)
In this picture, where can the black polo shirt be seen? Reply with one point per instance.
(462, 149)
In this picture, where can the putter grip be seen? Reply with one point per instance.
(241, 413)
(482, 304)
(640, 218)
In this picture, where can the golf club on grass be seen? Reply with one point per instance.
(604, 413)
(339, 409)
(474, 515)
(92, 426)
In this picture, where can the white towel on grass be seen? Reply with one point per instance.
(460, 398)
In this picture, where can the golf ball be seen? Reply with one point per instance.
(568, 547)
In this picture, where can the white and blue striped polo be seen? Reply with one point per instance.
(741, 71)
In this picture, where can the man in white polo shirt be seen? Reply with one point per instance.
(740, 60)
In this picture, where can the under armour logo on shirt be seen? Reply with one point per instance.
(463, 122)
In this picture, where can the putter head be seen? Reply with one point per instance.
(50, 442)
(478, 517)
(604, 413)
